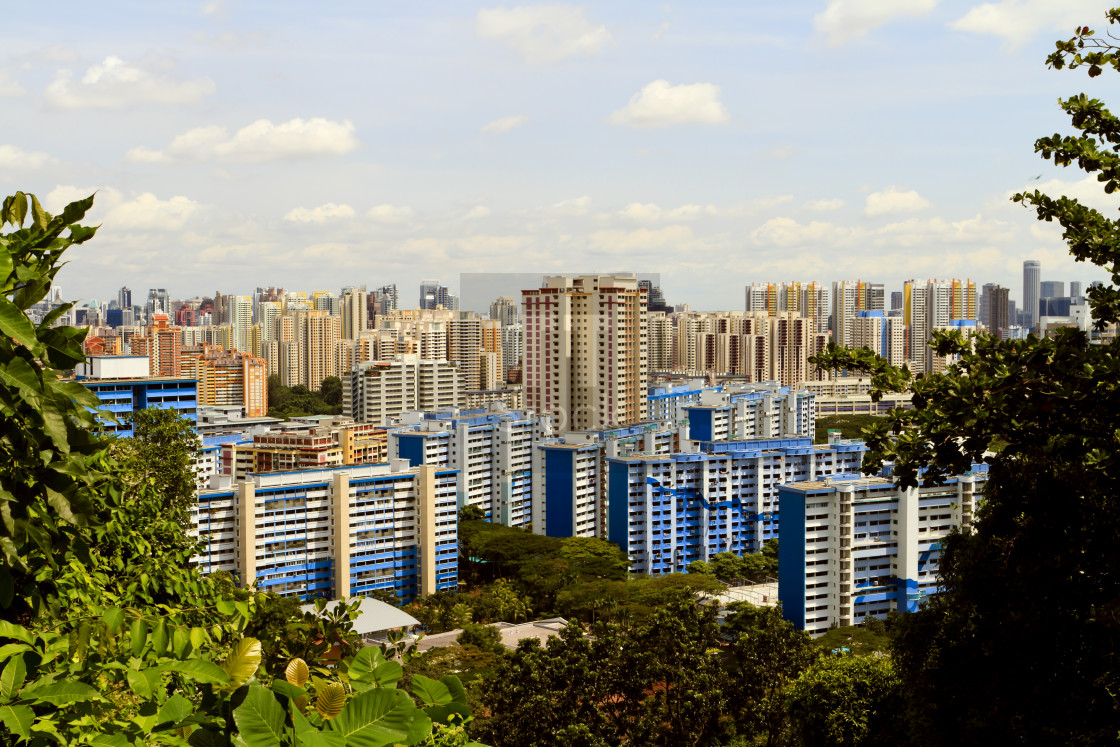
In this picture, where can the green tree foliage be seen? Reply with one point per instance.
(850, 426)
(661, 681)
(299, 401)
(1023, 645)
(768, 655)
(161, 452)
(847, 700)
(738, 569)
(108, 634)
(482, 637)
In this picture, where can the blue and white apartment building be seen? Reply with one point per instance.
(334, 532)
(491, 451)
(124, 387)
(858, 547)
(741, 412)
(669, 510)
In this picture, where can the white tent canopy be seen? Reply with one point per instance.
(374, 616)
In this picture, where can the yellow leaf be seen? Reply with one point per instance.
(296, 673)
(330, 700)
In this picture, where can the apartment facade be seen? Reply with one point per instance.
(586, 350)
(334, 533)
(859, 547)
(669, 510)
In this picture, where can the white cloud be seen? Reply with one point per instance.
(892, 201)
(214, 8)
(17, 159)
(118, 214)
(147, 212)
(844, 20)
(478, 211)
(691, 212)
(575, 206)
(824, 205)
(9, 86)
(504, 124)
(640, 213)
(114, 83)
(661, 104)
(390, 213)
(640, 241)
(260, 141)
(780, 152)
(1088, 191)
(1016, 21)
(786, 232)
(543, 34)
(320, 214)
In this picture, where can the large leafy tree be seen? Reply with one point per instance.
(1023, 645)
(108, 634)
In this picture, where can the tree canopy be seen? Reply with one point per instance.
(1023, 644)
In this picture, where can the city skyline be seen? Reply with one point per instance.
(229, 149)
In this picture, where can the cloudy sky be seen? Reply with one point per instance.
(236, 144)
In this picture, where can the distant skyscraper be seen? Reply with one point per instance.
(586, 350)
(355, 314)
(896, 300)
(387, 299)
(1032, 287)
(1075, 288)
(433, 295)
(505, 310)
(999, 317)
(848, 299)
(240, 309)
(985, 304)
(124, 298)
(1052, 289)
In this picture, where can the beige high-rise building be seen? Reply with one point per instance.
(883, 335)
(240, 310)
(355, 314)
(377, 390)
(793, 340)
(659, 336)
(586, 350)
(324, 331)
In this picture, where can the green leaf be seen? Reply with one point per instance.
(181, 643)
(260, 719)
(18, 719)
(429, 691)
(381, 716)
(138, 635)
(113, 619)
(174, 710)
(146, 683)
(10, 649)
(441, 713)
(364, 662)
(322, 739)
(454, 686)
(206, 738)
(39, 216)
(198, 670)
(15, 324)
(61, 693)
(11, 680)
(160, 638)
(242, 662)
(9, 630)
(111, 740)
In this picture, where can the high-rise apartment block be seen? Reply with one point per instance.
(670, 510)
(334, 533)
(355, 313)
(586, 350)
(378, 390)
(848, 299)
(1032, 289)
(433, 295)
(492, 451)
(809, 300)
(859, 547)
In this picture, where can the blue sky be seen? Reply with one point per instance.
(238, 144)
